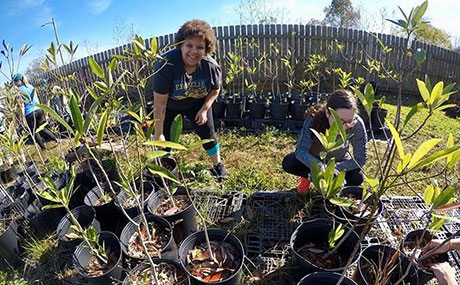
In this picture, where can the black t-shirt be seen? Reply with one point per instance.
(185, 90)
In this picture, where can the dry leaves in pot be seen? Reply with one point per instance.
(167, 274)
(200, 264)
(160, 237)
(318, 254)
(166, 207)
(97, 267)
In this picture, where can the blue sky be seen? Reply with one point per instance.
(91, 23)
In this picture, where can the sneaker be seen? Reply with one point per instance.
(219, 171)
(304, 185)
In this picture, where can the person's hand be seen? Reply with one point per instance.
(201, 117)
(444, 273)
(434, 243)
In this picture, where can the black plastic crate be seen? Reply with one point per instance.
(225, 210)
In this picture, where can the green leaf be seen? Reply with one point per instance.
(339, 123)
(54, 206)
(46, 195)
(428, 195)
(150, 130)
(437, 92)
(53, 114)
(41, 127)
(420, 11)
(428, 83)
(372, 181)
(423, 149)
(322, 139)
(151, 155)
(89, 116)
(112, 65)
(412, 112)
(363, 100)
(165, 144)
(163, 172)
(101, 86)
(96, 68)
(337, 183)
(397, 139)
(315, 174)
(135, 116)
(423, 90)
(154, 45)
(420, 56)
(75, 114)
(444, 197)
(435, 157)
(176, 128)
(101, 127)
(199, 143)
(342, 202)
(92, 93)
(72, 236)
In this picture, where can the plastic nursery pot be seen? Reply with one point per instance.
(412, 239)
(136, 274)
(324, 278)
(257, 110)
(183, 222)
(7, 175)
(321, 227)
(234, 110)
(380, 255)
(298, 110)
(218, 109)
(124, 197)
(347, 217)
(82, 256)
(378, 116)
(85, 215)
(278, 111)
(198, 238)
(169, 250)
(19, 205)
(9, 247)
(107, 213)
(44, 221)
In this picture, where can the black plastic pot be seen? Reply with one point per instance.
(424, 276)
(278, 111)
(218, 109)
(170, 164)
(184, 223)
(381, 254)
(85, 215)
(107, 214)
(143, 266)
(19, 205)
(347, 217)
(257, 110)
(234, 110)
(169, 250)
(198, 238)
(133, 212)
(9, 246)
(44, 221)
(321, 227)
(82, 256)
(324, 278)
(298, 110)
(7, 175)
(378, 116)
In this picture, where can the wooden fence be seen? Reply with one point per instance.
(303, 41)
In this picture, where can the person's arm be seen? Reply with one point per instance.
(201, 117)
(450, 245)
(358, 142)
(302, 152)
(444, 272)
(159, 111)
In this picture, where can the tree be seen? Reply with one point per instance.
(260, 12)
(341, 14)
(432, 35)
(35, 68)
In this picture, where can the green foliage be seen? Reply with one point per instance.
(431, 35)
(412, 22)
(341, 14)
(334, 235)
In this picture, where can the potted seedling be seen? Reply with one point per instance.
(169, 272)
(235, 70)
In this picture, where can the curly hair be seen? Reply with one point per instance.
(198, 28)
(339, 99)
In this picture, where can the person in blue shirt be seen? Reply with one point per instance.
(34, 116)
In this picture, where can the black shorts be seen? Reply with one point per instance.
(205, 131)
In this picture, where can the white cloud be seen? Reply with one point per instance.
(98, 6)
(30, 3)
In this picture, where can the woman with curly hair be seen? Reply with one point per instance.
(309, 147)
(187, 82)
